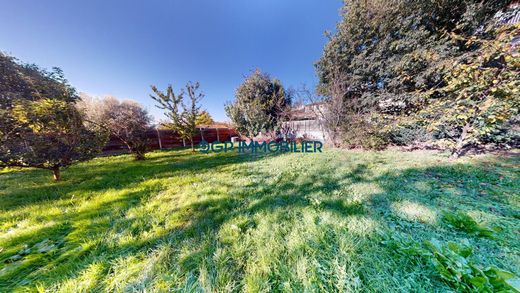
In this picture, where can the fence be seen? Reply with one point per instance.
(167, 139)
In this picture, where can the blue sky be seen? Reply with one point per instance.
(120, 48)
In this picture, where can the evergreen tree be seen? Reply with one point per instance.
(259, 104)
(204, 118)
(395, 58)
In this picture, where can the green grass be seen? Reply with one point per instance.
(228, 222)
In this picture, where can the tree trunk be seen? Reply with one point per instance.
(139, 156)
(333, 138)
(159, 138)
(56, 173)
(192, 146)
(460, 142)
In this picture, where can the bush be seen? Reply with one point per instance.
(508, 135)
(364, 132)
(404, 135)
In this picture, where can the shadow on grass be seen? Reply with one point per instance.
(265, 194)
(87, 178)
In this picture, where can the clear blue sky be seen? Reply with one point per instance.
(120, 48)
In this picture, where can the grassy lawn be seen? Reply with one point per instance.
(335, 221)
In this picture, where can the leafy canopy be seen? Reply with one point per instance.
(126, 120)
(259, 104)
(481, 98)
(399, 58)
(40, 126)
(204, 118)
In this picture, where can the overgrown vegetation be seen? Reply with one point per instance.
(453, 264)
(481, 98)
(182, 221)
(422, 73)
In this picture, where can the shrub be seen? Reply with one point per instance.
(404, 135)
(507, 135)
(364, 132)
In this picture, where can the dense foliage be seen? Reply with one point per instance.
(452, 261)
(397, 60)
(204, 118)
(39, 125)
(481, 99)
(259, 104)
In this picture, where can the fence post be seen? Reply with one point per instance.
(218, 137)
(159, 138)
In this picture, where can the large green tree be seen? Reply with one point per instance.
(392, 48)
(393, 57)
(259, 104)
(40, 126)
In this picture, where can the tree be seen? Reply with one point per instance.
(391, 56)
(40, 126)
(258, 105)
(400, 48)
(481, 95)
(183, 117)
(127, 120)
(204, 118)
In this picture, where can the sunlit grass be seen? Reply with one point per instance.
(228, 222)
